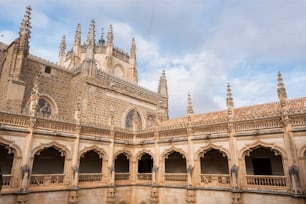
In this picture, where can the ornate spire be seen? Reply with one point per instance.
(62, 51)
(162, 87)
(25, 28)
(110, 36)
(133, 64)
(102, 41)
(133, 49)
(282, 94)
(77, 38)
(229, 98)
(91, 34)
(189, 105)
(62, 46)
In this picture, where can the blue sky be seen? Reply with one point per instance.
(202, 44)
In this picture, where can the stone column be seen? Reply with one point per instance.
(110, 195)
(190, 162)
(73, 194)
(154, 196)
(25, 168)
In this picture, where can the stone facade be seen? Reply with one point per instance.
(83, 131)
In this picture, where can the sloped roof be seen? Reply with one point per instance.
(243, 113)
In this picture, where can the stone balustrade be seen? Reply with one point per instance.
(90, 177)
(215, 179)
(181, 177)
(46, 179)
(144, 177)
(122, 176)
(7, 178)
(264, 180)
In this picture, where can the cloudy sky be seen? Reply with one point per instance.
(202, 44)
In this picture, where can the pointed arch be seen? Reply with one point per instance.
(11, 145)
(61, 148)
(126, 152)
(129, 110)
(46, 105)
(142, 152)
(302, 152)
(174, 149)
(118, 71)
(211, 146)
(250, 147)
(98, 150)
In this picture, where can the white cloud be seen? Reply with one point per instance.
(201, 44)
(7, 36)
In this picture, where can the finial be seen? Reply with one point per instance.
(189, 105)
(26, 23)
(229, 98)
(133, 49)
(110, 36)
(162, 86)
(102, 41)
(34, 98)
(77, 38)
(282, 94)
(91, 33)
(25, 31)
(63, 46)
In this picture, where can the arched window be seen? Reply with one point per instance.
(49, 161)
(263, 161)
(6, 159)
(133, 120)
(6, 164)
(90, 162)
(44, 107)
(214, 162)
(122, 163)
(118, 72)
(175, 162)
(145, 164)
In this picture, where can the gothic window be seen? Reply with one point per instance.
(145, 164)
(122, 164)
(6, 159)
(44, 107)
(49, 161)
(214, 162)
(175, 162)
(263, 161)
(90, 162)
(118, 72)
(133, 119)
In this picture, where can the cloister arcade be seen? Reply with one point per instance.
(262, 166)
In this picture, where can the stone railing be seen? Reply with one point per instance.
(144, 177)
(7, 178)
(263, 180)
(258, 124)
(46, 179)
(14, 119)
(90, 177)
(215, 179)
(55, 125)
(180, 177)
(122, 176)
(124, 136)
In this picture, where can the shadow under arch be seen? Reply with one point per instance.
(61, 148)
(249, 148)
